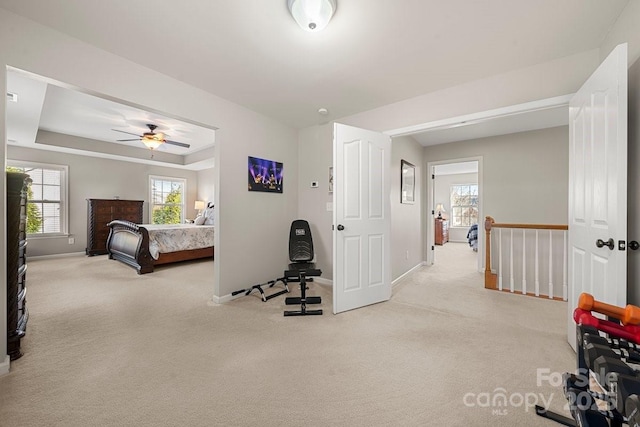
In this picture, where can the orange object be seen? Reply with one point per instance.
(629, 315)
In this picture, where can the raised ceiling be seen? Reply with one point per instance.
(46, 114)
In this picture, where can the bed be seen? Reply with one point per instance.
(143, 246)
(472, 237)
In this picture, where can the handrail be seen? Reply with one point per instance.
(491, 279)
(527, 226)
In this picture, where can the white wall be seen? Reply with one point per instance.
(206, 185)
(407, 220)
(625, 30)
(525, 175)
(315, 156)
(29, 46)
(95, 178)
(442, 191)
(560, 77)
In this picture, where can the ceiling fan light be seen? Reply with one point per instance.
(312, 15)
(152, 143)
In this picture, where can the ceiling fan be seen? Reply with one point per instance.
(151, 139)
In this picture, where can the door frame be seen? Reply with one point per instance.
(465, 120)
(430, 228)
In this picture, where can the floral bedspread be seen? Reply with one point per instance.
(178, 237)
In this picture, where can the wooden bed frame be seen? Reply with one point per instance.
(129, 243)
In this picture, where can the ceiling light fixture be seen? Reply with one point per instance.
(312, 15)
(153, 141)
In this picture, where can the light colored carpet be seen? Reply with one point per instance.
(106, 347)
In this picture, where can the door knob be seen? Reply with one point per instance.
(340, 227)
(633, 245)
(609, 243)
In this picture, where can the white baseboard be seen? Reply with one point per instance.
(4, 366)
(323, 281)
(395, 282)
(65, 255)
(215, 300)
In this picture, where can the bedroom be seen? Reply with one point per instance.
(243, 132)
(56, 126)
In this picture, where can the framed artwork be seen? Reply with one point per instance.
(265, 175)
(407, 182)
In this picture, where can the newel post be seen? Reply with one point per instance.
(489, 278)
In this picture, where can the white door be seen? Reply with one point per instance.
(598, 187)
(361, 221)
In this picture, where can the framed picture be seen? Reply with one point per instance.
(407, 182)
(265, 175)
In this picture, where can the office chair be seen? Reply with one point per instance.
(301, 267)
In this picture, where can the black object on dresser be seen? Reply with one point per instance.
(17, 313)
(100, 212)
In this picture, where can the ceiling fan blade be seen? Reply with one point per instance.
(179, 144)
(126, 140)
(125, 132)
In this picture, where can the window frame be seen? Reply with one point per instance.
(452, 206)
(183, 181)
(64, 191)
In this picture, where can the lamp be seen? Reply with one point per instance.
(312, 15)
(440, 209)
(153, 141)
(199, 204)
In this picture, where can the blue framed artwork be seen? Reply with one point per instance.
(265, 175)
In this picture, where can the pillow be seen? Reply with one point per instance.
(199, 220)
(209, 216)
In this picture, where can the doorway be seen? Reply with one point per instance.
(94, 143)
(454, 210)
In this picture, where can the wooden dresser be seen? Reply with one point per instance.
(17, 313)
(442, 231)
(100, 212)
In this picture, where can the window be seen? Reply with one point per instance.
(167, 200)
(46, 197)
(464, 205)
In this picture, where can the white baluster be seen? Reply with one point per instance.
(511, 283)
(537, 272)
(550, 265)
(564, 267)
(524, 264)
(500, 258)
